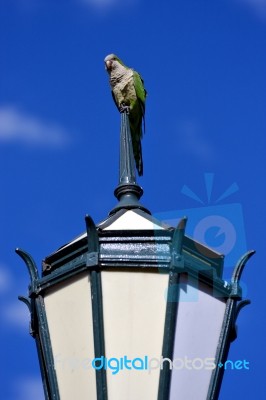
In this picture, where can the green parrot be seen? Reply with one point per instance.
(129, 95)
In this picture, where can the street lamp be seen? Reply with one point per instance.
(132, 309)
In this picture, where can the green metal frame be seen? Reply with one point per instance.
(39, 329)
(97, 308)
(163, 251)
(234, 305)
(168, 251)
(128, 192)
(171, 308)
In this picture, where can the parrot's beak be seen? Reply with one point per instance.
(108, 65)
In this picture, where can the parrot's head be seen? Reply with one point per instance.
(112, 62)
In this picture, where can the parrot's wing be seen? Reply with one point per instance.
(140, 92)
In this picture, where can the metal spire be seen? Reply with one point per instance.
(128, 192)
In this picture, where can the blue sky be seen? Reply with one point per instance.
(204, 64)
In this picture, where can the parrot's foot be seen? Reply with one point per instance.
(123, 108)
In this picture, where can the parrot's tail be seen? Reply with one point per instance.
(137, 150)
(139, 160)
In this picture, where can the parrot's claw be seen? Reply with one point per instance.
(123, 108)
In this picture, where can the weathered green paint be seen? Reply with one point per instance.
(45, 352)
(228, 332)
(128, 192)
(171, 309)
(165, 251)
(97, 307)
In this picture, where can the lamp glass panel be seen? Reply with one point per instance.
(199, 323)
(134, 305)
(69, 315)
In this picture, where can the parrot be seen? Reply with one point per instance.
(129, 95)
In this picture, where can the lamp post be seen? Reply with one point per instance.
(132, 309)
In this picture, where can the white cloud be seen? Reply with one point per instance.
(4, 279)
(104, 5)
(29, 388)
(101, 3)
(17, 126)
(16, 313)
(257, 6)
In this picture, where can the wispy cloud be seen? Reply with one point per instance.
(16, 314)
(29, 388)
(257, 6)
(18, 126)
(104, 5)
(101, 3)
(4, 279)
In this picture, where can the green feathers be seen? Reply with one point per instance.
(128, 91)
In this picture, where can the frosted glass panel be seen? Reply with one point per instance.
(199, 322)
(69, 315)
(134, 308)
